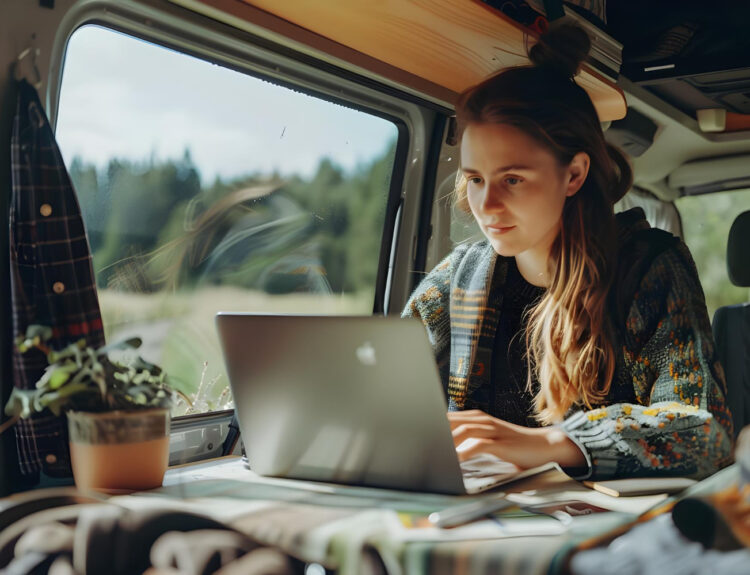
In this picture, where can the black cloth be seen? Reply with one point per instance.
(51, 276)
(512, 401)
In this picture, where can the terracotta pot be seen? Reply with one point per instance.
(119, 450)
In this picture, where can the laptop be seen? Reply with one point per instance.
(352, 400)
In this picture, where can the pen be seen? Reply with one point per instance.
(465, 513)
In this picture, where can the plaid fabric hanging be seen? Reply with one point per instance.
(52, 281)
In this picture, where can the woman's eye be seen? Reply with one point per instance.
(475, 180)
(512, 181)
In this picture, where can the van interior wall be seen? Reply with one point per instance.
(20, 19)
(23, 23)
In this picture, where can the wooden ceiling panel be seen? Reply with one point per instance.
(437, 46)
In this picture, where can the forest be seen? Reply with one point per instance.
(152, 225)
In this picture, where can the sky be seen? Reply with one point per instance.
(126, 98)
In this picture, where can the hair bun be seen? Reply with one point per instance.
(563, 48)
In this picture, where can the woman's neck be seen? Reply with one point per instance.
(533, 267)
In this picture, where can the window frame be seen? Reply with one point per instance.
(272, 57)
(410, 194)
(402, 144)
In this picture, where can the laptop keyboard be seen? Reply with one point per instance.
(485, 465)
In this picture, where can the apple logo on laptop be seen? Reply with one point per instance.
(366, 354)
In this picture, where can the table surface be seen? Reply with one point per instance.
(333, 524)
(330, 524)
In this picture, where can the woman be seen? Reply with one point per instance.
(570, 334)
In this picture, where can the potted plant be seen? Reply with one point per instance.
(117, 406)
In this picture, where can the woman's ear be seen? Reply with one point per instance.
(577, 171)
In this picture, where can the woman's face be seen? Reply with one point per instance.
(516, 188)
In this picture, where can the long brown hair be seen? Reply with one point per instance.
(569, 335)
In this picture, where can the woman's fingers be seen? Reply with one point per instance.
(476, 432)
(477, 447)
(468, 414)
(472, 430)
(456, 418)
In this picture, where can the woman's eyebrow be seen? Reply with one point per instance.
(500, 169)
(511, 168)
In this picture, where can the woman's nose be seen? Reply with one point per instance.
(492, 200)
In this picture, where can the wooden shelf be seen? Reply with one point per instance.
(437, 47)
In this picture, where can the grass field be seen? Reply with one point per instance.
(178, 331)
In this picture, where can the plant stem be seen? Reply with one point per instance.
(8, 424)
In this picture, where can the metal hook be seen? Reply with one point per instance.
(36, 79)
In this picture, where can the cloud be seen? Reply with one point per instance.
(126, 98)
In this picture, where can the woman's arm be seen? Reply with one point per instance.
(524, 446)
(682, 425)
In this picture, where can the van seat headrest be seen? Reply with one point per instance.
(738, 251)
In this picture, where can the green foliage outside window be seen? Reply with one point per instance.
(706, 220)
(151, 225)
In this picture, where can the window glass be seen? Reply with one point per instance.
(706, 220)
(205, 189)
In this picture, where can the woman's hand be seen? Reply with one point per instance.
(524, 446)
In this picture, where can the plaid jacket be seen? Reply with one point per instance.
(52, 282)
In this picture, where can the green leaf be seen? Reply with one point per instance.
(123, 345)
(58, 378)
(59, 373)
(56, 401)
(42, 332)
(19, 403)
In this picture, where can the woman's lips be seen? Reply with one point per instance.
(499, 230)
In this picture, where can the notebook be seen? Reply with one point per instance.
(352, 400)
(641, 486)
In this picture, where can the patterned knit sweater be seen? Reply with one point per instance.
(665, 413)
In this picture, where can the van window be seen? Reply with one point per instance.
(706, 220)
(206, 189)
(660, 214)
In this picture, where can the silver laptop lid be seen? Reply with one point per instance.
(353, 400)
